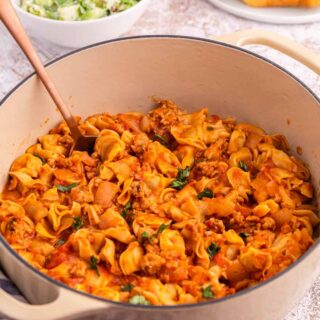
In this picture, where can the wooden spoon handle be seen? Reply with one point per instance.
(12, 23)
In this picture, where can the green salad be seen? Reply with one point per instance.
(75, 10)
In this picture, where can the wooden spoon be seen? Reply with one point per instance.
(12, 23)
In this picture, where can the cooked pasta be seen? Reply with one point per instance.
(170, 208)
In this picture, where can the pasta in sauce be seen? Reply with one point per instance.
(170, 208)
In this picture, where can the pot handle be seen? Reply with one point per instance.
(277, 42)
(67, 305)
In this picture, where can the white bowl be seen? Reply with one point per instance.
(76, 34)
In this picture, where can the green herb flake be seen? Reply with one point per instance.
(66, 188)
(126, 209)
(138, 299)
(183, 174)
(161, 139)
(161, 228)
(178, 184)
(243, 235)
(181, 179)
(127, 287)
(77, 223)
(213, 249)
(59, 243)
(206, 193)
(207, 292)
(93, 265)
(145, 236)
(42, 160)
(243, 166)
(210, 128)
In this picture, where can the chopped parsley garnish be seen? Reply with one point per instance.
(145, 236)
(42, 160)
(161, 228)
(126, 209)
(138, 299)
(178, 184)
(213, 249)
(127, 287)
(243, 166)
(161, 139)
(77, 223)
(59, 243)
(67, 188)
(243, 235)
(206, 193)
(181, 179)
(207, 292)
(93, 265)
(183, 174)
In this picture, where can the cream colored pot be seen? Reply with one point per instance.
(122, 75)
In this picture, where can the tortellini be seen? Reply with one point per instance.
(172, 240)
(109, 145)
(170, 208)
(130, 258)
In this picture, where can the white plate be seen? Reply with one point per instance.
(270, 15)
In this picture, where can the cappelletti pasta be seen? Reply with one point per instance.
(170, 208)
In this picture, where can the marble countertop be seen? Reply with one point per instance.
(193, 18)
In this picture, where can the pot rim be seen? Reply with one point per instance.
(180, 306)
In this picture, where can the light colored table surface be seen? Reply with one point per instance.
(193, 18)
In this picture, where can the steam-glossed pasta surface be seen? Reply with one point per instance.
(171, 208)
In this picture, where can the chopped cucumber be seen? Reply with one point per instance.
(69, 13)
(37, 10)
(76, 10)
(94, 13)
(44, 3)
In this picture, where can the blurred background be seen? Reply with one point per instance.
(197, 18)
